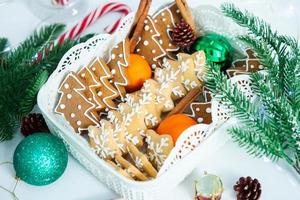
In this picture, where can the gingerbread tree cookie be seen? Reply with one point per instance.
(73, 105)
(200, 109)
(246, 65)
(106, 93)
(166, 19)
(150, 43)
(118, 61)
(92, 85)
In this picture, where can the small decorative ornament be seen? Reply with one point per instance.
(40, 159)
(208, 187)
(216, 47)
(183, 35)
(32, 123)
(247, 189)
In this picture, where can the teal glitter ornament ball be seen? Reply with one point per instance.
(40, 159)
(216, 47)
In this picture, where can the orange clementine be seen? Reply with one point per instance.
(137, 72)
(174, 125)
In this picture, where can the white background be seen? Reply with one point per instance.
(17, 22)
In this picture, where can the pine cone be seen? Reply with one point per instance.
(32, 123)
(247, 189)
(183, 35)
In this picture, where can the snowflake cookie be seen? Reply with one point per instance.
(159, 147)
(141, 161)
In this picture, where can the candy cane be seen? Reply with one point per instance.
(60, 2)
(78, 28)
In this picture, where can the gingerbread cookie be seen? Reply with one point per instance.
(166, 19)
(119, 169)
(130, 169)
(246, 65)
(141, 161)
(149, 45)
(102, 140)
(159, 147)
(150, 108)
(200, 108)
(92, 87)
(188, 70)
(107, 92)
(73, 105)
(118, 61)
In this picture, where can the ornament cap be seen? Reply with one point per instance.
(208, 187)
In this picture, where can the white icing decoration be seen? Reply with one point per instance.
(99, 93)
(157, 154)
(177, 11)
(197, 109)
(199, 120)
(69, 96)
(153, 51)
(113, 71)
(146, 43)
(78, 123)
(72, 115)
(208, 110)
(120, 55)
(161, 42)
(113, 56)
(138, 50)
(90, 99)
(94, 68)
(66, 86)
(164, 19)
(147, 28)
(62, 106)
(151, 119)
(153, 66)
(79, 107)
(162, 14)
(83, 75)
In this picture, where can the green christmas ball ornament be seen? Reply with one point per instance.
(216, 47)
(40, 159)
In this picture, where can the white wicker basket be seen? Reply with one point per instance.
(176, 167)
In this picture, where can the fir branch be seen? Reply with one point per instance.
(37, 42)
(3, 47)
(29, 100)
(21, 78)
(255, 145)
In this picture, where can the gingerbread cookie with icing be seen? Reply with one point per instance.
(119, 169)
(166, 19)
(73, 105)
(245, 65)
(130, 169)
(107, 92)
(200, 109)
(159, 147)
(149, 45)
(102, 141)
(141, 161)
(118, 61)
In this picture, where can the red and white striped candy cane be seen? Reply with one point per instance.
(93, 16)
(60, 2)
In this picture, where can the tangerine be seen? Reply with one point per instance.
(137, 72)
(174, 125)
